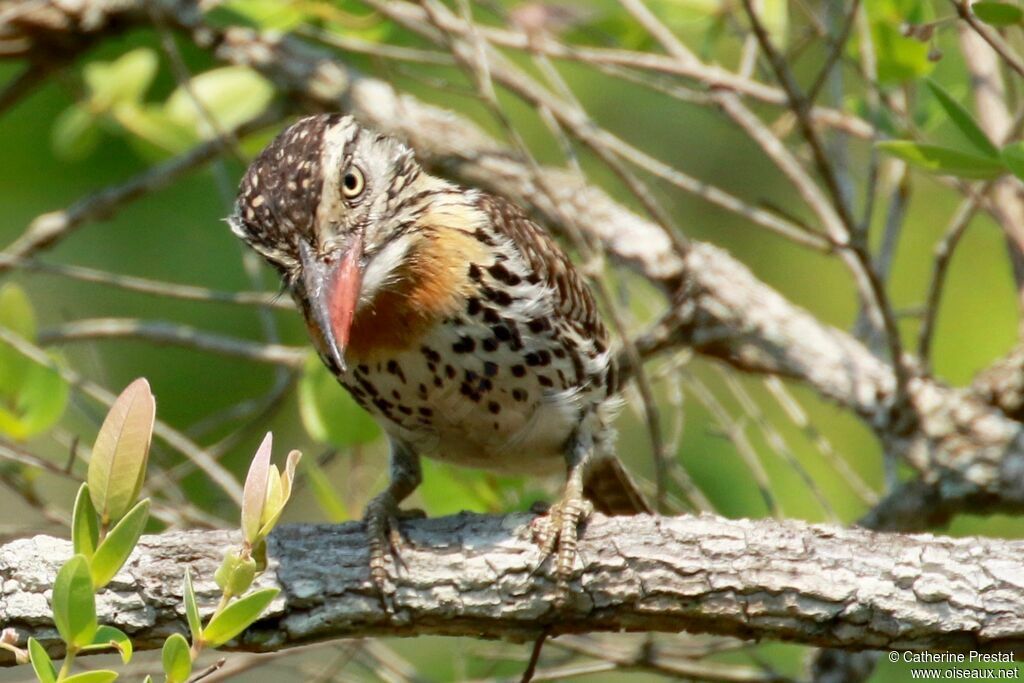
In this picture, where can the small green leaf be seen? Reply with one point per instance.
(235, 574)
(118, 545)
(943, 160)
(41, 662)
(1013, 157)
(254, 493)
(900, 59)
(85, 529)
(230, 95)
(98, 676)
(774, 15)
(108, 636)
(76, 133)
(329, 414)
(121, 451)
(963, 120)
(16, 315)
(998, 13)
(177, 659)
(154, 128)
(268, 14)
(195, 624)
(238, 616)
(125, 79)
(74, 604)
(324, 493)
(39, 403)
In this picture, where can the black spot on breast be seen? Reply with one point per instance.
(519, 395)
(426, 412)
(395, 369)
(449, 371)
(474, 272)
(490, 368)
(464, 345)
(545, 381)
(491, 316)
(430, 354)
(490, 344)
(501, 332)
(538, 325)
(518, 370)
(502, 274)
(473, 306)
(494, 407)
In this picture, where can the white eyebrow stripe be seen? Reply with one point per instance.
(337, 140)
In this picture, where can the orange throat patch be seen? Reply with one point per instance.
(432, 284)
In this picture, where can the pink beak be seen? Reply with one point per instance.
(332, 295)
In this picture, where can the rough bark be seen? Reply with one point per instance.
(484, 576)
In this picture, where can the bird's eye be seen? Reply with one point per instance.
(353, 183)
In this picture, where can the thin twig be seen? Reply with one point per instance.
(163, 332)
(171, 290)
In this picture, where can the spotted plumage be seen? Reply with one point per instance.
(447, 313)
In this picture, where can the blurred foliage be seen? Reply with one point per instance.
(122, 106)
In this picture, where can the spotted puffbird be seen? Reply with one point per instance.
(448, 314)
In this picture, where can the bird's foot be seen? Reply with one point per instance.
(556, 532)
(384, 536)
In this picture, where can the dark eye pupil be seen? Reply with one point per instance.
(351, 182)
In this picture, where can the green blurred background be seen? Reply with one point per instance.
(178, 234)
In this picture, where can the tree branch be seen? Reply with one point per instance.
(483, 576)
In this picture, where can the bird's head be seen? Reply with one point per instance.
(328, 204)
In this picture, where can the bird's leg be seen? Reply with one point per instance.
(557, 531)
(382, 513)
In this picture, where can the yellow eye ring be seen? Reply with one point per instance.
(353, 183)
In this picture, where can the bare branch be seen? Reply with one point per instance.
(162, 332)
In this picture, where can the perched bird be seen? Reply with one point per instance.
(449, 315)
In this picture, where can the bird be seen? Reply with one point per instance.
(449, 315)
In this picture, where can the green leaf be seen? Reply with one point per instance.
(155, 128)
(121, 451)
(900, 59)
(235, 574)
(268, 14)
(324, 493)
(108, 636)
(1013, 157)
(16, 315)
(963, 120)
(38, 405)
(230, 95)
(998, 13)
(195, 624)
(74, 604)
(118, 544)
(254, 492)
(238, 616)
(98, 676)
(76, 133)
(329, 414)
(147, 679)
(85, 528)
(41, 662)
(942, 160)
(177, 659)
(774, 16)
(125, 79)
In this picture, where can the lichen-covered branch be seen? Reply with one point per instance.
(485, 577)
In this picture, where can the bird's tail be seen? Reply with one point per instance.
(612, 490)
